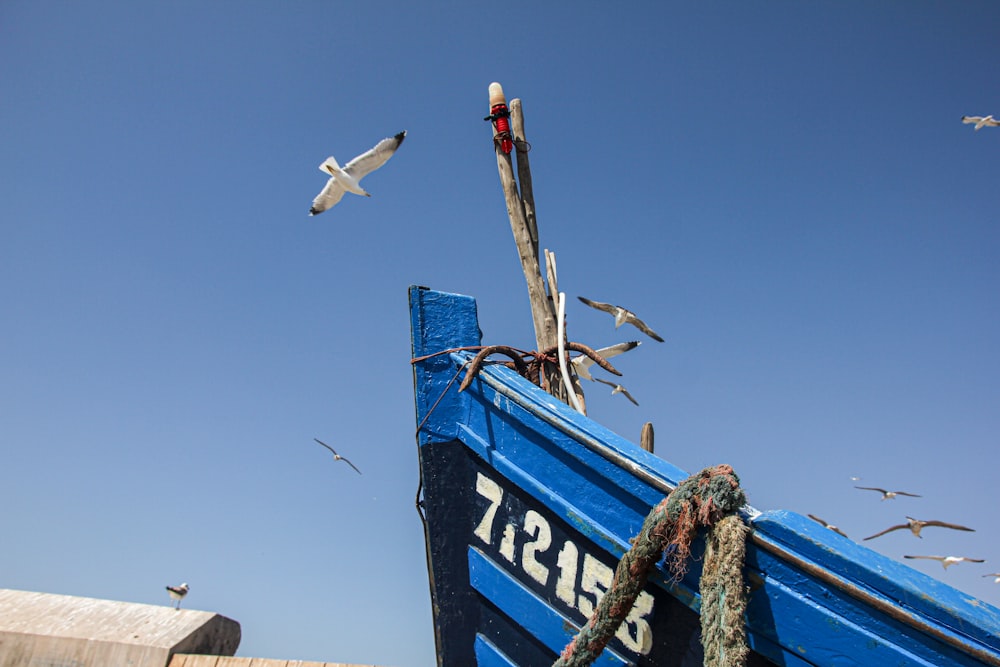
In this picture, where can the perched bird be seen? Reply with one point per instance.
(995, 575)
(826, 525)
(336, 456)
(915, 526)
(622, 316)
(348, 178)
(582, 363)
(618, 389)
(981, 121)
(888, 495)
(178, 592)
(946, 561)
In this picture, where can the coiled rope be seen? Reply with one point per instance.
(709, 499)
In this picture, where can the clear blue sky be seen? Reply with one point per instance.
(783, 190)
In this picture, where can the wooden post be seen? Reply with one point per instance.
(523, 224)
(553, 281)
(646, 439)
(541, 310)
(524, 178)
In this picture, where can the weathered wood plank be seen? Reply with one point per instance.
(245, 662)
(191, 660)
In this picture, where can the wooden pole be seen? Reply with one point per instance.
(524, 226)
(553, 281)
(646, 439)
(541, 311)
(524, 177)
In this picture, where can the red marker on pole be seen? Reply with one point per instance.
(501, 119)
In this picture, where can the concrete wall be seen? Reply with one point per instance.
(42, 629)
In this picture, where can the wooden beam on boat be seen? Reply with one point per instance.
(646, 439)
(542, 313)
(520, 199)
(522, 147)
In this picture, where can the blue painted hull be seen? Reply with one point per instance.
(528, 507)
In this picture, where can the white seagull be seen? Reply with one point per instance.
(178, 592)
(348, 178)
(946, 561)
(915, 525)
(622, 316)
(618, 389)
(996, 576)
(336, 456)
(582, 363)
(981, 121)
(826, 525)
(888, 495)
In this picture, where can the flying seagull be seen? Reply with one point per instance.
(622, 316)
(336, 456)
(996, 576)
(827, 525)
(348, 178)
(582, 363)
(178, 592)
(981, 121)
(888, 495)
(949, 560)
(618, 389)
(915, 525)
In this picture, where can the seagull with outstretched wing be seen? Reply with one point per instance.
(916, 525)
(947, 561)
(617, 389)
(623, 316)
(348, 178)
(582, 363)
(981, 121)
(888, 495)
(336, 456)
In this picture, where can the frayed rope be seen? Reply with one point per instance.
(709, 499)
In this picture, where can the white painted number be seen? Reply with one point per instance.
(536, 526)
(635, 632)
(507, 543)
(595, 577)
(567, 562)
(490, 490)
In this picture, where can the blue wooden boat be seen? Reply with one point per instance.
(529, 505)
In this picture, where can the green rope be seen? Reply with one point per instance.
(723, 602)
(701, 500)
